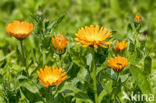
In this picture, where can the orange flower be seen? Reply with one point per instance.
(93, 36)
(19, 30)
(120, 46)
(60, 42)
(118, 63)
(137, 18)
(51, 76)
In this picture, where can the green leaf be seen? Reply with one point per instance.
(147, 65)
(117, 88)
(131, 47)
(69, 88)
(73, 71)
(32, 97)
(81, 95)
(89, 59)
(28, 84)
(59, 98)
(59, 20)
(21, 78)
(13, 96)
(140, 79)
(59, 87)
(45, 42)
(107, 90)
(81, 76)
(78, 56)
(129, 27)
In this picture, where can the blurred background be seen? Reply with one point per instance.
(113, 14)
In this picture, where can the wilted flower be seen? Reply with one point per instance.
(120, 46)
(118, 63)
(93, 36)
(60, 42)
(19, 30)
(137, 18)
(51, 76)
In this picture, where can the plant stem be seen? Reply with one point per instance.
(24, 59)
(60, 57)
(44, 56)
(21, 44)
(116, 82)
(117, 77)
(95, 88)
(49, 98)
(94, 77)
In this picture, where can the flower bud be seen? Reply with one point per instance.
(142, 37)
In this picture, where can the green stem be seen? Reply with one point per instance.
(95, 88)
(24, 59)
(44, 56)
(94, 77)
(116, 96)
(49, 97)
(21, 44)
(60, 57)
(117, 77)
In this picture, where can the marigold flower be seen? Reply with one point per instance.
(93, 36)
(19, 29)
(137, 18)
(51, 76)
(60, 42)
(120, 46)
(118, 63)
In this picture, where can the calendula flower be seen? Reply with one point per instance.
(137, 18)
(60, 42)
(51, 76)
(118, 63)
(19, 30)
(121, 46)
(93, 36)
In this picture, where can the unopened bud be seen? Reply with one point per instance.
(142, 38)
(39, 12)
(137, 18)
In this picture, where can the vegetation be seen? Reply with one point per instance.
(80, 63)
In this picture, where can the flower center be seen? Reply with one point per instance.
(94, 37)
(118, 63)
(51, 79)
